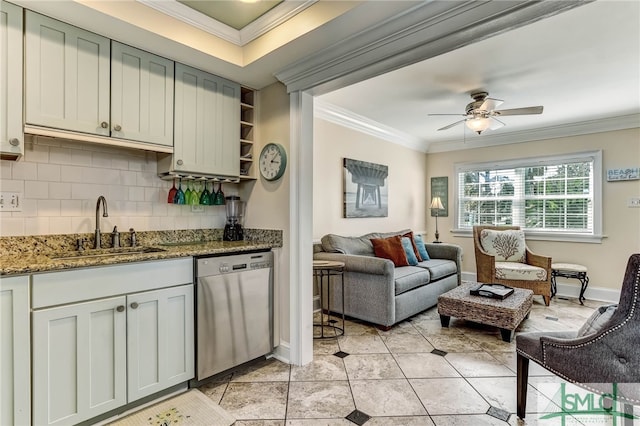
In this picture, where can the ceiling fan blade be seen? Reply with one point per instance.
(490, 104)
(520, 111)
(457, 115)
(452, 125)
(496, 124)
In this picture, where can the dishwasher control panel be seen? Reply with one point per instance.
(234, 263)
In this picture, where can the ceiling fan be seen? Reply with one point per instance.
(481, 113)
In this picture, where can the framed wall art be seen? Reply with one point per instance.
(365, 191)
(440, 188)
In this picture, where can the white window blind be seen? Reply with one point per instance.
(559, 195)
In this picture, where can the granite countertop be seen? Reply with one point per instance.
(26, 255)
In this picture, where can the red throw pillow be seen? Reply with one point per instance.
(415, 247)
(390, 248)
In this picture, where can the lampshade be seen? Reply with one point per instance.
(436, 203)
(479, 124)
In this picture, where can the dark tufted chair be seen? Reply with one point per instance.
(594, 361)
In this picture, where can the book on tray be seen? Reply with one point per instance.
(494, 291)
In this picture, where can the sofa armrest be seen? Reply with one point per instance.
(362, 264)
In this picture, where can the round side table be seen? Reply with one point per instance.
(323, 270)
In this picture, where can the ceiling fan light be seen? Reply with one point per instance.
(478, 124)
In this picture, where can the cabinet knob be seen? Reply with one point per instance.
(14, 141)
(179, 162)
(117, 128)
(104, 124)
(120, 308)
(134, 305)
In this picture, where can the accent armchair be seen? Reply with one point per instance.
(602, 353)
(502, 256)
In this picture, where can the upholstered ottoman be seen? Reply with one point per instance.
(505, 314)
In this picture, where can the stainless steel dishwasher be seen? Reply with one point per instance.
(234, 311)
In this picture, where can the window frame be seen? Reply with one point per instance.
(595, 156)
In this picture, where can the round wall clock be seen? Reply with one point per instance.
(273, 161)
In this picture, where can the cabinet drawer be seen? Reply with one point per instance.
(58, 288)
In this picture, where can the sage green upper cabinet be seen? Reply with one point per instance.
(141, 95)
(207, 130)
(11, 136)
(80, 82)
(67, 76)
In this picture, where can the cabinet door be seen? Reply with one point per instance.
(15, 370)
(11, 136)
(160, 340)
(141, 95)
(207, 123)
(67, 76)
(79, 361)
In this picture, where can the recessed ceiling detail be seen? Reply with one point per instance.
(219, 17)
(236, 14)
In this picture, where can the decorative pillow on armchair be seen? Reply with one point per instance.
(390, 248)
(507, 245)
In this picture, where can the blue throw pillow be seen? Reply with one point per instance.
(408, 249)
(421, 248)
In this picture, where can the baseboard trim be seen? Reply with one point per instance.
(282, 353)
(573, 290)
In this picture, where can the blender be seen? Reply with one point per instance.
(235, 213)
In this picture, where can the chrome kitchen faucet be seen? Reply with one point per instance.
(104, 214)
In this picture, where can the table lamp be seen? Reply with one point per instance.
(436, 204)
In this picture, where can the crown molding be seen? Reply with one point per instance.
(419, 33)
(343, 117)
(631, 121)
(265, 23)
(334, 114)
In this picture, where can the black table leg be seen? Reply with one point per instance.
(507, 335)
(444, 320)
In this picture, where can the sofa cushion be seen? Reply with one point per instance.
(416, 252)
(333, 243)
(506, 245)
(390, 248)
(439, 268)
(422, 249)
(520, 271)
(409, 277)
(598, 320)
(408, 251)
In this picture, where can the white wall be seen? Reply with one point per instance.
(61, 181)
(621, 225)
(268, 205)
(406, 181)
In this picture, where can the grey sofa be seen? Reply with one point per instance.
(375, 290)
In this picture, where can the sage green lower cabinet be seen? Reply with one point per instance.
(160, 340)
(15, 369)
(79, 361)
(133, 339)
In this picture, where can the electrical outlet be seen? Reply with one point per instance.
(10, 201)
(197, 208)
(633, 202)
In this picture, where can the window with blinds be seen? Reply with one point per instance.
(547, 195)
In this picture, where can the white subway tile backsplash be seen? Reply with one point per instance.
(62, 179)
(23, 170)
(60, 190)
(11, 226)
(5, 169)
(36, 225)
(49, 172)
(59, 225)
(71, 174)
(59, 155)
(36, 189)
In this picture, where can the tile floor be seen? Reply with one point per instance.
(394, 378)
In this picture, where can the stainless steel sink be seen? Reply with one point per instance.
(92, 254)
